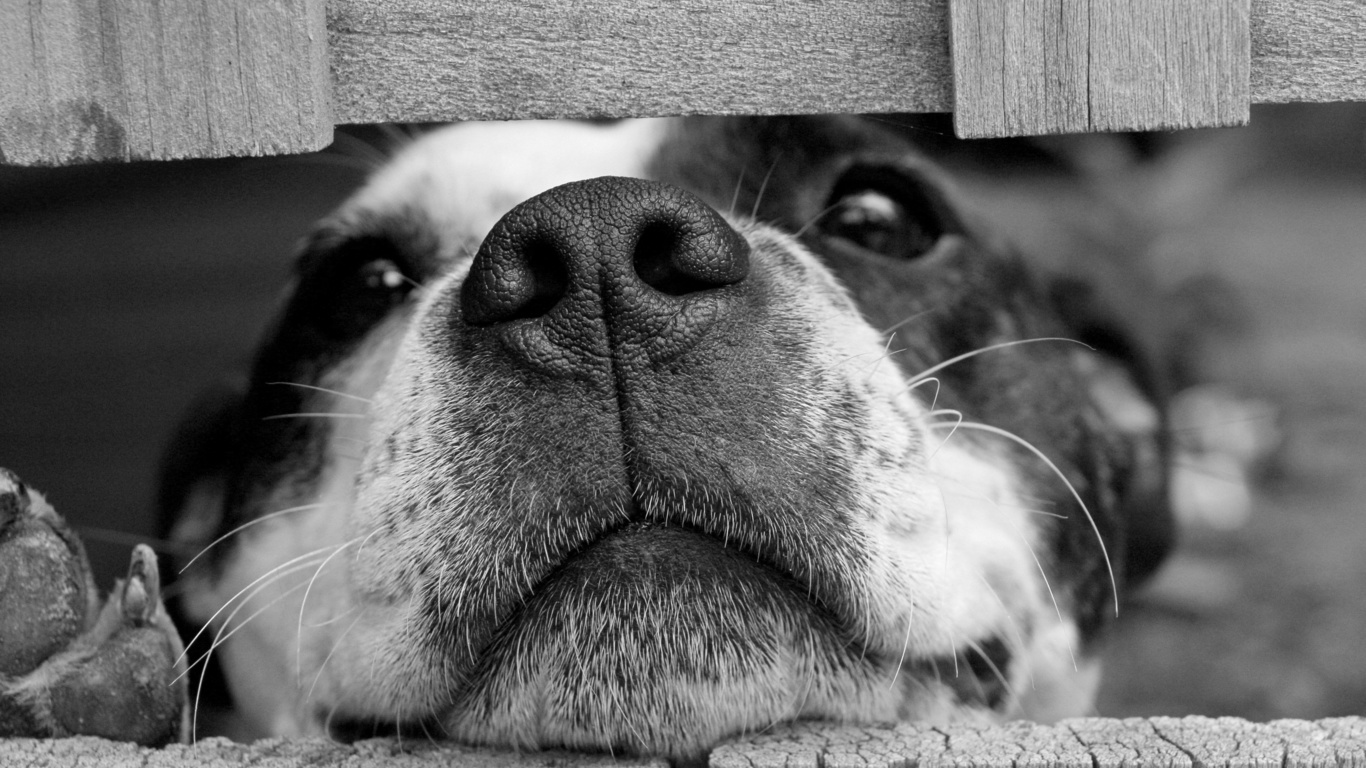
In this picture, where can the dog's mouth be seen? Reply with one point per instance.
(643, 577)
(666, 554)
(666, 620)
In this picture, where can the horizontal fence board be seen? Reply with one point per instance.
(151, 79)
(428, 60)
(1308, 50)
(1184, 742)
(424, 60)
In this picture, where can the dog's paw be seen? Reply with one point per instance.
(68, 665)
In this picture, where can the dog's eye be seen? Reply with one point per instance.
(354, 287)
(882, 211)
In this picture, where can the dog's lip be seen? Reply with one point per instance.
(636, 534)
(633, 546)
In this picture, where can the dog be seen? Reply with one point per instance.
(635, 436)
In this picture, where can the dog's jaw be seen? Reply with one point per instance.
(426, 560)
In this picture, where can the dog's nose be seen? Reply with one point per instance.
(626, 250)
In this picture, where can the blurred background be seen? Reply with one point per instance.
(1240, 253)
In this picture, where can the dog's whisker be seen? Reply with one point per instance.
(907, 321)
(303, 604)
(1053, 598)
(735, 196)
(1013, 622)
(964, 489)
(995, 670)
(315, 415)
(248, 524)
(422, 723)
(1114, 584)
(219, 639)
(763, 187)
(330, 653)
(934, 401)
(905, 646)
(958, 422)
(331, 621)
(887, 352)
(238, 608)
(990, 348)
(843, 361)
(812, 221)
(904, 124)
(289, 566)
(316, 388)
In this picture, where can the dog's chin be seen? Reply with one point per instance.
(663, 640)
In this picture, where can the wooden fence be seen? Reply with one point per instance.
(84, 80)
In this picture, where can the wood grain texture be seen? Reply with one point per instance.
(489, 59)
(85, 80)
(85, 751)
(133, 79)
(422, 60)
(1187, 742)
(1308, 50)
(1026, 67)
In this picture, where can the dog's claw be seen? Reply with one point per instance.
(142, 590)
(67, 665)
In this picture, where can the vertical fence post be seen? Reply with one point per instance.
(1025, 67)
(86, 80)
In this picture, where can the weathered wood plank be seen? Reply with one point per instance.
(95, 79)
(1308, 50)
(490, 59)
(88, 80)
(1057, 66)
(1086, 743)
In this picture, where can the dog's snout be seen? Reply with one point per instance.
(628, 244)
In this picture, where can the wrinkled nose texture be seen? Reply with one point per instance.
(617, 268)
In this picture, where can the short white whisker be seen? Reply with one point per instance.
(335, 645)
(248, 524)
(1010, 618)
(905, 322)
(763, 186)
(219, 639)
(289, 566)
(905, 646)
(315, 415)
(315, 388)
(1003, 345)
(303, 604)
(1114, 585)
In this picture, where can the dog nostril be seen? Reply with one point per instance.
(655, 262)
(549, 278)
(668, 258)
(526, 281)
